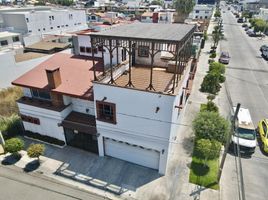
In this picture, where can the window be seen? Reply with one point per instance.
(197, 11)
(40, 94)
(161, 18)
(196, 17)
(93, 17)
(44, 29)
(15, 38)
(39, 29)
(124, 54)
(30, 31)
(30, 119)
(143, 51)
(51, 27)
(66, 25)
(27, 20)
(106, 112)
(206, 17)
(82, 49)
(201, 17)
(52, 17)
(143, 18)
(206, 11)
(88, 49)
(264, 128)
(95, 50)
(58, 26)
(4, 43)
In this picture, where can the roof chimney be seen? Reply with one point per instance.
(53, 77)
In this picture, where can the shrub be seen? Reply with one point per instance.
(210, 125)
(208, 149)
(211, 83)
(222, 79)
(8, 97)
(44, 138)
(14, 145)
(213, 55)
(36, 150)
(212, 107)
(217, 67)
(10, 126)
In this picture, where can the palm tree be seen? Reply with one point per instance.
(183, 8)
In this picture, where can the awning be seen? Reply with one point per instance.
(80, 122)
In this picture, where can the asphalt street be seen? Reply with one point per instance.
(15, 185)
(247, 83)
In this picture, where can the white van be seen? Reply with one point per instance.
(245, 133)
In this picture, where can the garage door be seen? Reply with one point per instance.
(132, 153)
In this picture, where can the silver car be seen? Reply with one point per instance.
(224, 57)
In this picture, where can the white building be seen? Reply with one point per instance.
(263, 14)
(38, 22)
(157, 17)
(10, 40)
(138, 100)
(201, 12)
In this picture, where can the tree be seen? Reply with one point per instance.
(211, 83)
(207, 149)
(35, 151)
(217, 67)
(217, 13)
(14, 145)
(210, 125)
(183, 8)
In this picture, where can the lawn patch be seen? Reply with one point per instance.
(204, 175)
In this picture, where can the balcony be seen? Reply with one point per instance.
(41, 104)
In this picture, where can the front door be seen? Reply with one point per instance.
(81, 140)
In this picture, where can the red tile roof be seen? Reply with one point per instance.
(76, 75)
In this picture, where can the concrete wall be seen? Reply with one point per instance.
(31, 39)
(15, 20)
(158, 62)
(11, 44)
(137, 120)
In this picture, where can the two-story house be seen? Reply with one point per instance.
(128, 106)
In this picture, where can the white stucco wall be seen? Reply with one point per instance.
(39, 22)
(27, 92)
(83, 106)
(49, 120)
(137, 120)
(84, 41)
(158, 62)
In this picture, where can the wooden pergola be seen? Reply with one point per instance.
(175, 39)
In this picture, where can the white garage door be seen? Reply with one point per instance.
(130, 153)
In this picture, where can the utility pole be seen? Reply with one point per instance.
(228, 142)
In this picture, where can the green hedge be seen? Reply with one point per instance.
(44, 138)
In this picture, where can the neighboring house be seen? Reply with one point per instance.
(132, 110)
(58, 100)
(252, 7)
(157, 17)
(263, 14)
(38, 22)
(201, 12)
(10, 40)
(95, 17)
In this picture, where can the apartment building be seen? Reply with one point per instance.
(201, 12)
(37, 22)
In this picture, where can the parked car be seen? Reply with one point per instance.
(224, 58)
(264, 54)
(264, 48)
(246, 28)
(245, 134)
(240, 20)
(262, 129)
(251, 33)
(244, 25)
